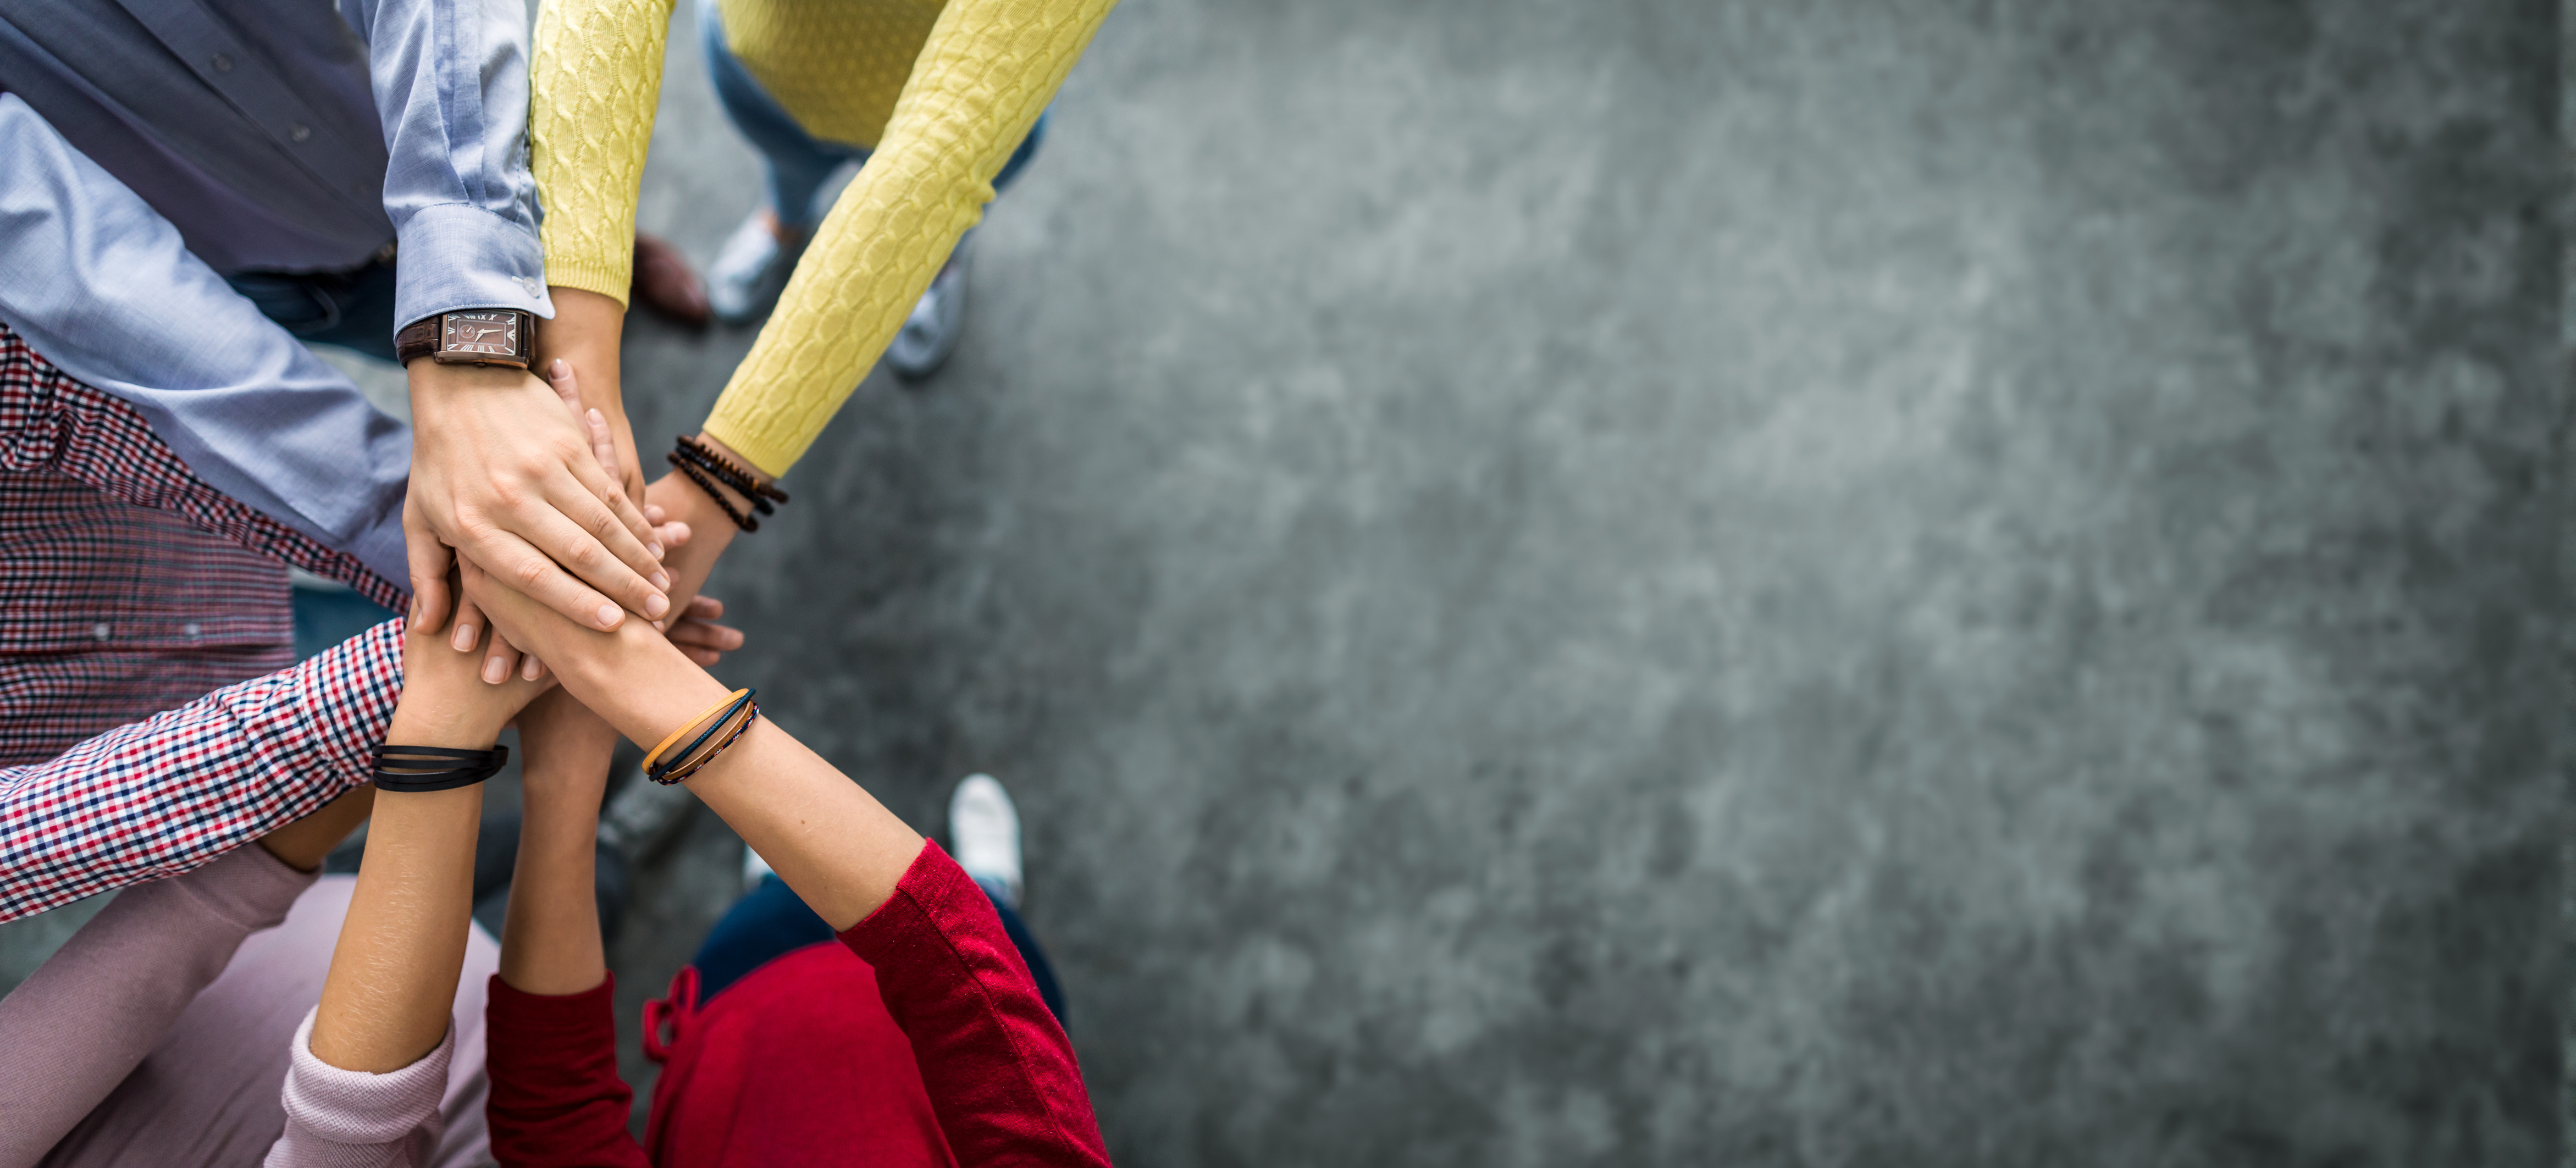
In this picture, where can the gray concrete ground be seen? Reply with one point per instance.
(1708, 582)
(1728, 583)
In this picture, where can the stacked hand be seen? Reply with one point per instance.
(553, 470)
(502, 473)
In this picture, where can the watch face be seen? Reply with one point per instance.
(493, 334)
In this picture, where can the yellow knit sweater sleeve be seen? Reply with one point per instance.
(594, 78)
(987, 72)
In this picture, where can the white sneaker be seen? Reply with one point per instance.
(751, 271)
(930, 334)
(984, 828)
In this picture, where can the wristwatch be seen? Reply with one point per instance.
(469, 336)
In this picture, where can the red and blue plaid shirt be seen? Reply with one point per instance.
(128, 586)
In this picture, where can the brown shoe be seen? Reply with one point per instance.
(664, 283)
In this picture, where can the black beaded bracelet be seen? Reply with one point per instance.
(745, 522)
(425, 768)
(726, 473)
(733, 474)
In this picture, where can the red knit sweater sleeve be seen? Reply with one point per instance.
(1000, 1072)
(556, 1099)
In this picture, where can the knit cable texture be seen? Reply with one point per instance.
(594, 75)
(965, 97)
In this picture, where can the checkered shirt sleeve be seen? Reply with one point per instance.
(163, 796)
(52, 421)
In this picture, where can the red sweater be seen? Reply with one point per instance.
(919, 1039)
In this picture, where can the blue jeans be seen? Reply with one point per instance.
(354, 310)
(799, 163)
(771, 921)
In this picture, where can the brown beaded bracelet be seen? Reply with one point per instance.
(745, 522)
(730, 473)
(702, 464)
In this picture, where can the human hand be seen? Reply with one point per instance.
(501, 472)
(444, 701)
(683, 501)
(503, 659)
(698, 635)
(584, 333)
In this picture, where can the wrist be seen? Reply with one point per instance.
(641, 683)
(724, 478)
(434, 386)
(711, 531)
(470, 336)
(427, 716)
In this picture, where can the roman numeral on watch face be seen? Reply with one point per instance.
(481, 332)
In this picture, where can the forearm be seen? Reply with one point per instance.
(831, 841)
(386, 1001)
(585, 333)
(91, 1013)
(594, 80)
(393, 975)
(451, 89)
(711, 531)
(305, 843)
(989, 70)
(192, 784)
(102, 286)
(550, 944)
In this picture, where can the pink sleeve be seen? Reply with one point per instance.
(171, 793)
(1000, 1072)
(77, 1027)
(352, 1119)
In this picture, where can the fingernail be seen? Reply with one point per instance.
(659, 626)
(464, 638)
(556, 367)
(661, 579)
(532, 669)
(657, 604)
(495, 670)
(655, 548)
(608, 616)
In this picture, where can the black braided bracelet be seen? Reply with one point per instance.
(692, 768)
(686, 762)
(423, 768)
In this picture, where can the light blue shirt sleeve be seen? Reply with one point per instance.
(451, 83)
(101, 285)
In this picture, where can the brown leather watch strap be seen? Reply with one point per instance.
(470, 336)
(417, 339)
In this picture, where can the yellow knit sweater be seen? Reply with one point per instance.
(943, 92)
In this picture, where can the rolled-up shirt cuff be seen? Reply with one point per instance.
(457, 255)
(342, 1107)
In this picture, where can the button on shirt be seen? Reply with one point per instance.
(131, 585)
(153, 144)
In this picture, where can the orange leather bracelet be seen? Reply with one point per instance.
(703, 715)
